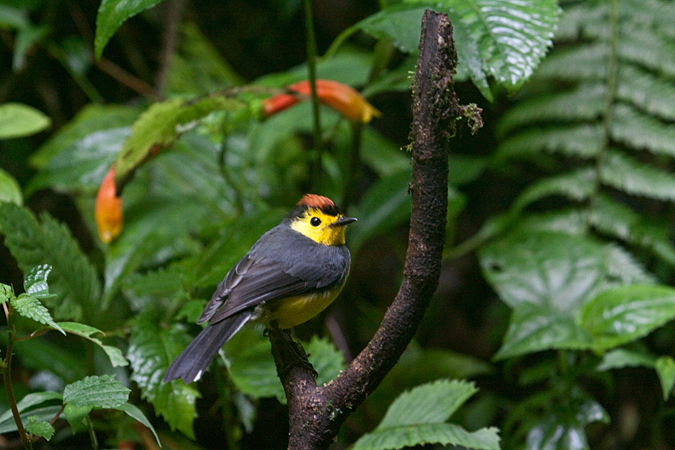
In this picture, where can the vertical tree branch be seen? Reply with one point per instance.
(316, 413)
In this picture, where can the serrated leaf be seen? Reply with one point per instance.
(665, 369)
(429, 403)
(620, 358)
(18, 120)
(135, 413)
(625, 313)
(35, 281)
(10, 191)
(111, 15)
(29, 306)
(151, 349)
(96, 392)
(39, 427)
(627, 175)
(417, 417)
(162, 124)
(85, 331)
(648, 91)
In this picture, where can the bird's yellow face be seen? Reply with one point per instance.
(320, 227)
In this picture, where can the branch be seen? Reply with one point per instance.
(316, 413)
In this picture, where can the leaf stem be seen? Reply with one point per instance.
(7, 375)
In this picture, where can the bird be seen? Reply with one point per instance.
(292, 273)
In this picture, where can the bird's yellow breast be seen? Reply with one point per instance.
(292, 311)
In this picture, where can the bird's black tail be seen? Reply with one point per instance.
(195, 359)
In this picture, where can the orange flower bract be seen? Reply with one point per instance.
(108, 209)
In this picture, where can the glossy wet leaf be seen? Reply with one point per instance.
(39, 427)
(35, 281)
(85, 331)
(625, 313)
(30, 307)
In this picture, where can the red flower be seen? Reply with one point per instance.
(108, 209)
(340, 97)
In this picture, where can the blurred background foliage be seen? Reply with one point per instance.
(554, 296)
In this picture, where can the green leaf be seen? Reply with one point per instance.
(648, 91)
(135, 413)
(417, 417)
(326, 359)
(26, 38)
(665, 369)
(47, 413)
(6, 292)
(577, 185)
(39, 427)
(29, 306)
(28, 402)
(96, 392)
(35, 281)
(85, 331)
(152, 348)
(642, 131)
(111, 15)
(251, 366)
(162, 124)
(547, 278)
(582, 141)
(77, 417)
(620, 358)
(10, 191)
(18, 120)
(73, 279)
(632, 177)
(625, 313)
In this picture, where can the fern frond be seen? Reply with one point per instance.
(641, 131)
(627, 175)
(581, 141)
(647, 91)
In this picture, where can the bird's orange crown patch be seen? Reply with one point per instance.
(319, 201)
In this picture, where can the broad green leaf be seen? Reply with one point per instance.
(251, 365)
(73, 279)
(429, 433)
(111, 15)
(96, 392)
(18, 120)
(564, 428)
(46, 413)
(417, 417)
(39, 427)
(547, 278)
(28, 402)
(620, 358)
(29, 306)
(623, 314)
(326, 359)
(152, 348)
(162, 124)
(35, 281)
(77, 417)
(85, 331)
(10, 191)
(135, 413)
(429, 403)
(665, 369)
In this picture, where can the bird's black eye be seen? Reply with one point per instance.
(315, 222)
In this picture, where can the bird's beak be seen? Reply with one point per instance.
(342, 221)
